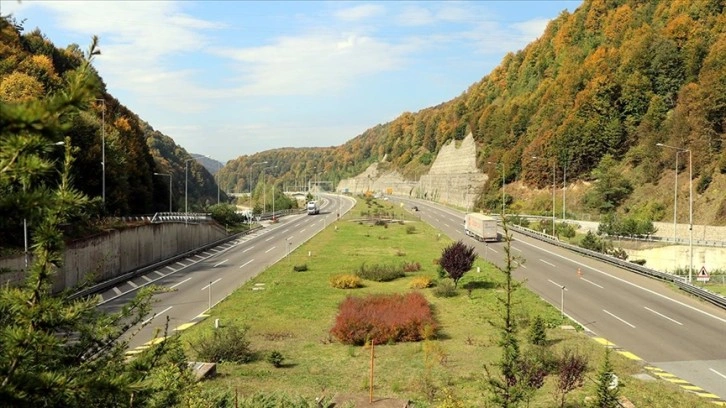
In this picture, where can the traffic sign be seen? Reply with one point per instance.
(703, 275)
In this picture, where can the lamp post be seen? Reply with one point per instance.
(264, 188)
(103, 151)
(690, 202)
(170, 184)
(186, 191)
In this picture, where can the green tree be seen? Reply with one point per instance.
(606, 391)
(457, 259)
(55, 350)
(610, 187)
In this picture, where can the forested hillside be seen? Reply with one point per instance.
(606, 82)
(32, 69)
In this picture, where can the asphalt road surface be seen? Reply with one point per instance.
(646, 318)
(198, 283)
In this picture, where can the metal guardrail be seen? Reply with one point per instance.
(173, 217)
(704, 294)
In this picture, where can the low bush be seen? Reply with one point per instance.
(383, 319)
(411, 267)
(410, 229)
(421, 282)
(380, 273)
(345, 281)
(275, 358)
(445, 288)
(300, 268)
(225, 344)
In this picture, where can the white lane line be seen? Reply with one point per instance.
(493, 250)
(652, 292)
(159, 273)
(207, 253)
(618, 318)
(155, 314)
(446, 225)
(593, 283)
(170, 268)
(268, 239)
(146, 278)
(557, 284)
(270, 249)
(117, 291)
(179, 283)
(247, 249)
(220, 263)
(552, 265)
(133, 284)
(459, 232)
(246, 263)
(724, 376)
(663, 316)
(211, 283)
(286, 230)
(181, 264)
(305, 229)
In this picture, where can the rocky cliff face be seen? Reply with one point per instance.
(453, 178)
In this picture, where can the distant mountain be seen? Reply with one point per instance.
(604, 84)
(212, 166)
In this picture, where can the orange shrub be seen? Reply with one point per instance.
(383, 319)
(345, 281)
(421, 282)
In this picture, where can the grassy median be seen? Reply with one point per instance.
(295, 311)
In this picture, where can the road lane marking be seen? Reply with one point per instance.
(133, 284)
(557, 284)
(179, 283)
(247, 249)
(493, 250)
(552, 265)
(593, 283)
(211, 283)
(662, 315)
(286, 230)
(117, 290)
(722, 375)
(154, 316)
(159, 273)
(446, 225)
(269, 239)
(146, 278)
(652, 292)
(270, 249)
(303, 230)
(220, 263)
(170, 268)
(246, 263)
(618, 318)
(182, 265)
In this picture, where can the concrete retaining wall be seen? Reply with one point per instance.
(119, 251)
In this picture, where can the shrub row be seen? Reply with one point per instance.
(380, 273)
(421, 282)
(383, 319)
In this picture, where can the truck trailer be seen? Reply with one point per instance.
(481, 227)
(313, 208)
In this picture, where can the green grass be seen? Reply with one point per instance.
(297, 309)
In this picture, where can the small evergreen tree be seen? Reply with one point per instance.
(538, 332)
(457, 259)
(606, 394)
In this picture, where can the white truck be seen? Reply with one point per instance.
(313, 208)
(481, 227)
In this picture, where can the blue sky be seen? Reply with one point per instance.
(232, 78)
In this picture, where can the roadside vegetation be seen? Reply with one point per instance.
(458, 360)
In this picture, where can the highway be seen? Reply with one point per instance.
(643, 318)
(196, 284)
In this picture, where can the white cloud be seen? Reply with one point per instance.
(415, 16)
(532, 29)
(305, 65)
(360, 12)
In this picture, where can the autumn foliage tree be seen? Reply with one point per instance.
(457, 259)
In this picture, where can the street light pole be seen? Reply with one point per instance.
(554, 188)
(690, 202)
(170, 184)
(103, 151)
(186, 191)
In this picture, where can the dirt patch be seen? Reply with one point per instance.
(363, 400)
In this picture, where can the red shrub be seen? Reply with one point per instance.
(383, 319)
